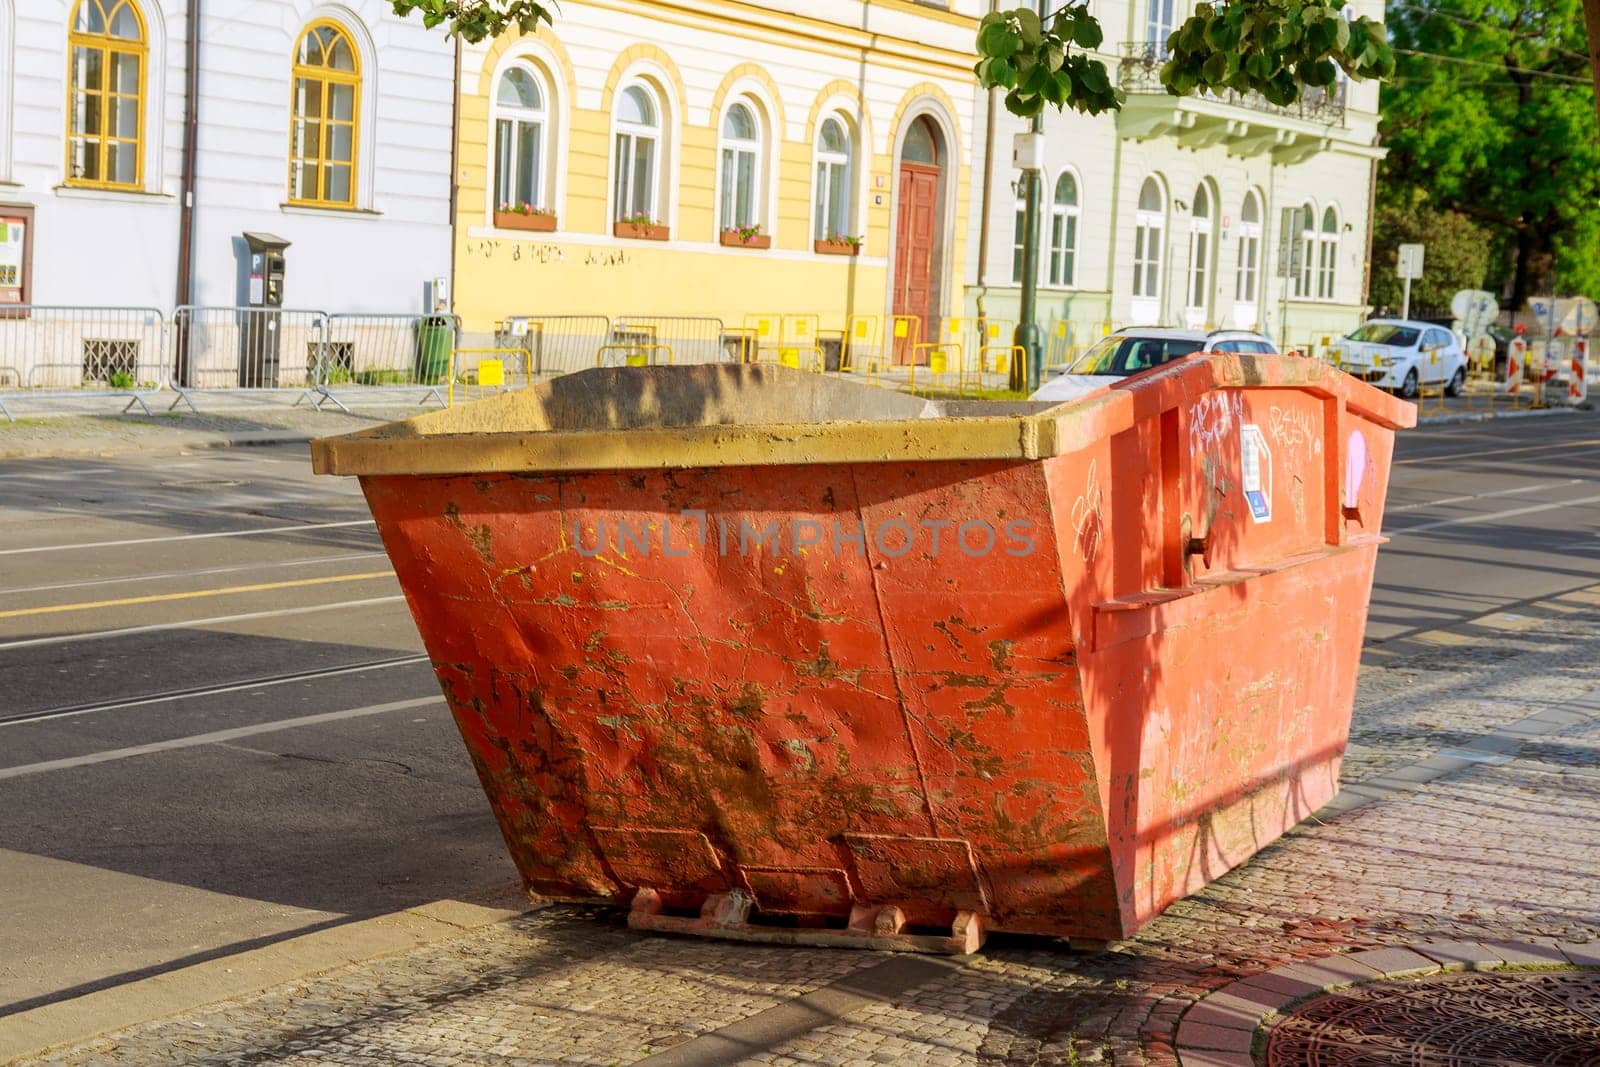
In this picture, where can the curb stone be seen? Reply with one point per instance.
(1488, 416)
(29, 1034)
(251, 439)
(1222, 1028)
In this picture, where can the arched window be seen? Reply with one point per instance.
(1328, 254)
(1149, 233)
(1064, 231)
(1308, 251)
(520, 119)
(637, 163)
(741, 167)
(1247, 279)
(1199, 288)
(921, 146)
(324, 114)
(105, 100)
(835, 167)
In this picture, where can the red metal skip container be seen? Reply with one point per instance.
(709, 660)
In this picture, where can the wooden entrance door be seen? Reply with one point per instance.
(913, 261)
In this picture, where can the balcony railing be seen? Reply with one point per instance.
(1140, 72)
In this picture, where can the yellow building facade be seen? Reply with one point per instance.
(716, 159)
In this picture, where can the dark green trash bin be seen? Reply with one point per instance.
(436, 338)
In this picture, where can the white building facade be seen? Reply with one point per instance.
(1173, 210)
(326, 125)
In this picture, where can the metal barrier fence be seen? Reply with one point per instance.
(362, 353)
(55, 350)
(554, 344)
(255, 348)
(689, 339)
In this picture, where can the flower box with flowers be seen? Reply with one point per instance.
(640, 227)
(746, 237)
(837, 245)
(524, 217)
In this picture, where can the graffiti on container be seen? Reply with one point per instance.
(1086, 521)
(1212, 420)
(1292, 428)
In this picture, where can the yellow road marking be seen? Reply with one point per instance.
(193, 594)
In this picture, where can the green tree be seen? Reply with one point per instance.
(1458, 257)
(1491, 114)
(1272, 47)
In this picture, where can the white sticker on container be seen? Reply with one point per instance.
(1255, 469)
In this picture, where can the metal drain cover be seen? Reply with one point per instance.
(1476, 1017)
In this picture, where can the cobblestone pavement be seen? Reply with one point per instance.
(1506, 849)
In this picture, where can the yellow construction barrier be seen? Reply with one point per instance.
(1481, 385)
(633, 354)
(1060, 349)
(862, 349)
(1428, 367)
(494, 371)
(997, 355)
(944, 358)
(905, 334)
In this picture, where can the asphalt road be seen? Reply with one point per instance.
(217, 728)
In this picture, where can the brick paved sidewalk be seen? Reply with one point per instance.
(1504, 846)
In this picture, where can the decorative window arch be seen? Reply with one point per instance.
(108, 52)
(1304, 277)
(1064, 206)
(741, 155)
(1328, 253)
(1247, 278)
(325, 117)
(1197, 294)
(639, 143)
(836, 167)
(523, 148)
(1149, 237)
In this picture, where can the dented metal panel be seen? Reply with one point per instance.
(1045, 671)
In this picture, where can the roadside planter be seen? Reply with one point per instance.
(766, 654)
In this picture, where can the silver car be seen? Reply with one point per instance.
(1141, 348)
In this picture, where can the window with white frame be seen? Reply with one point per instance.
(636, 165)
(740, 168)
(1304, 278)
(1247, 279)
(520, 121)
(1064, 232)
(1161, 22)
(835, 163)
(1149, 233)
(1019, 232)
(1328, 254)
(1199, 287)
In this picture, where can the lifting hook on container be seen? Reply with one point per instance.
(1199, 546)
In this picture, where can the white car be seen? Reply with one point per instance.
(1402, 355)
(1141, 348)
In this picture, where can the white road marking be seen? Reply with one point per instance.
(309, 561)
(1468, 520)
(62, 476)
(100, 635)
(187, 537)
(207, 691)
(1479, 496)
(212, 738)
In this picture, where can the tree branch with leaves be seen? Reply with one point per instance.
(1272, 47)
